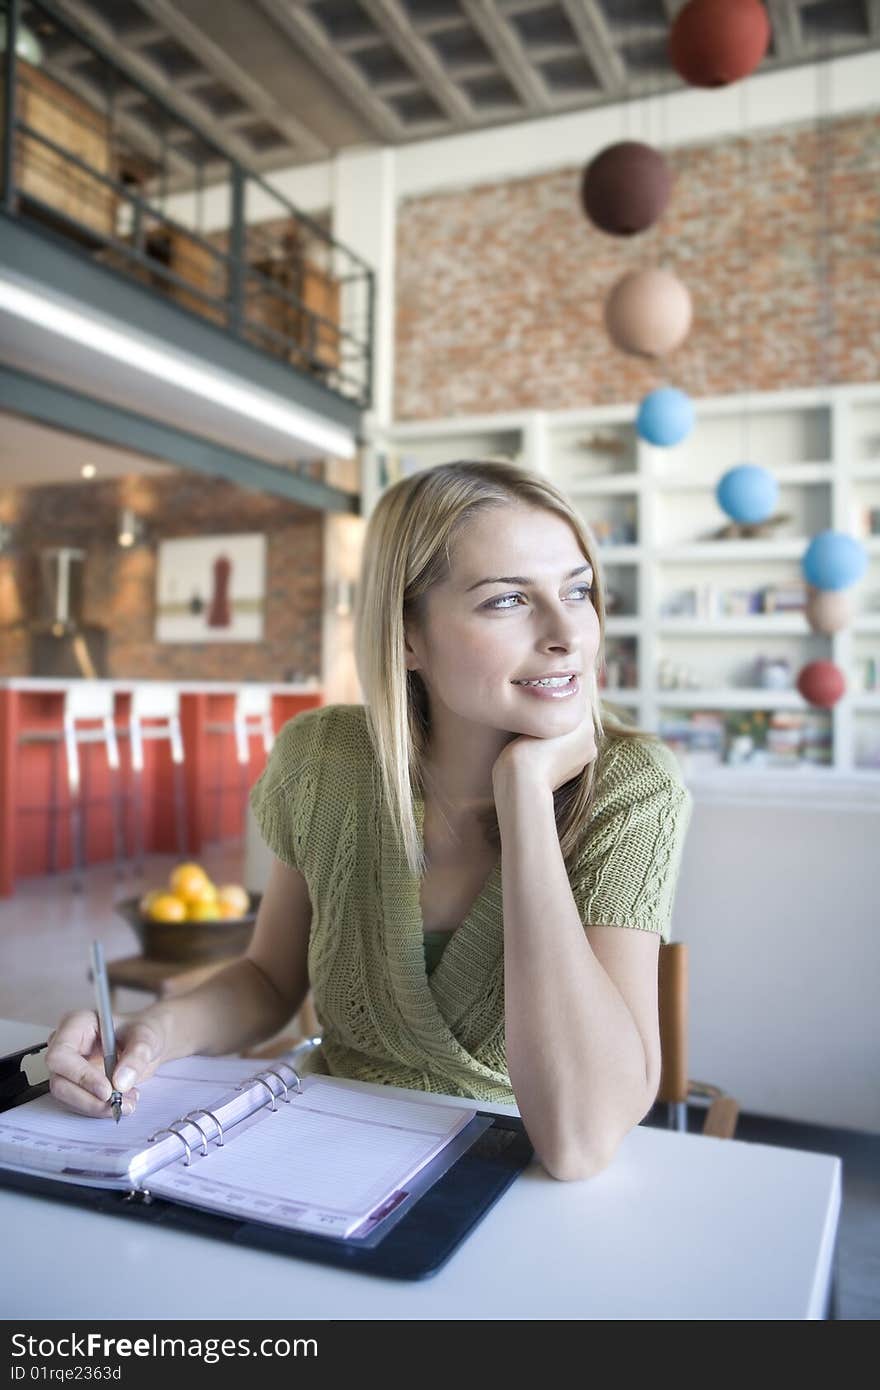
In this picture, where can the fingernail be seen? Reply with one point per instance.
(127, 1107)
(125, 1078)
(102, 1088)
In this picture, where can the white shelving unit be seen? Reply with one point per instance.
(653, 513)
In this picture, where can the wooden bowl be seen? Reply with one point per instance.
(190, 941)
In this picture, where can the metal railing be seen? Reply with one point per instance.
(91, 153)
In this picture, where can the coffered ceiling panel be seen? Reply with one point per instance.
(287, 82)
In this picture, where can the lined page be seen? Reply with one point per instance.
(323, 1163)
(46, 1136)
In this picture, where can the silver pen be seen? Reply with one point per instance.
(105, 1020)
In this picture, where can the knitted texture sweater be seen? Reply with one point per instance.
(318, 806)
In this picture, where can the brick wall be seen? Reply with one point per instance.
(500, 288)
(121, 584)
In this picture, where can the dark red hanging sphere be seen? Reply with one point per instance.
(822, 683)
(626, 188)
(715, 42)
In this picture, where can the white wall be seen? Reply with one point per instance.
(778, 907)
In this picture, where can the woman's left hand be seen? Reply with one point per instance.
(549, 762)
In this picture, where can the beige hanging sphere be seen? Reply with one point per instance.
(828, 610)
(648, 313)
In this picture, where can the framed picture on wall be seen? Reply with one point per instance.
(211, 589)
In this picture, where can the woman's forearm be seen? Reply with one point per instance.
(575, 1057)
(233, 1010)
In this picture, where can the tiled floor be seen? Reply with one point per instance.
(45, 935)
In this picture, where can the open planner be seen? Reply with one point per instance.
(312, 1157)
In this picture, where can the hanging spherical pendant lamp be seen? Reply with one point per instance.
(822, 683)
(715, 42)
(665, 417)
(626, 188)
(648, 312)
(828, 610)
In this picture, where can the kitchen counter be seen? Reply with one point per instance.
(37, 809)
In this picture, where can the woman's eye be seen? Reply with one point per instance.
(500, 603)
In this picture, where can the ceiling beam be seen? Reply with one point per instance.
(589, 24)
(509, 54)
(313, 40)
(162, 88)
(218, 62)
(392, 19)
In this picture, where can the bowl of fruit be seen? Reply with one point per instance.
(191, 918)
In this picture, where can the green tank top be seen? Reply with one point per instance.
(435, 944)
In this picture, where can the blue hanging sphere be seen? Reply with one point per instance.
(666, 417)
(747, 493)
(834, 560)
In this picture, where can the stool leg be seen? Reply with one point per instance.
(137, 803)
(54, 819)
(180, 809)
(78, 829)
(117, 812)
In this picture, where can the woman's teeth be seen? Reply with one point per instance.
(552, 680)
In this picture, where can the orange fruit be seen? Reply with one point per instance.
(233, 900)
(205, 911)
(167, 907)
(188, 881)
(146, 902)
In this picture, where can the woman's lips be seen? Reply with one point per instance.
(552, 692)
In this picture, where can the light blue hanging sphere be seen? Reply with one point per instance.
(834, 560)
(747, 493)
(666, 417)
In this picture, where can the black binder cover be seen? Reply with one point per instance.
(416, 1247)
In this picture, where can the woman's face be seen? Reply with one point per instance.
(480, 638)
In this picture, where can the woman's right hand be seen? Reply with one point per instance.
(76, 1062)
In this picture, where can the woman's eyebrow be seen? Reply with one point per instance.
(520, 579)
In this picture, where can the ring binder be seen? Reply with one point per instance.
(189, 1119)
(169, 1129)
(258, 1079)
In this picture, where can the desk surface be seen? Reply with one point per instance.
(678, 1226)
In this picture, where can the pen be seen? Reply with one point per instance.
(105, 1020)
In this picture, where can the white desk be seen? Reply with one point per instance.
(679, 1227)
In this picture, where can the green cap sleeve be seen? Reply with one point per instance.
(627, 873)
(283, 797)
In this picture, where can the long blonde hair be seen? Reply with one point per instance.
(406, 551)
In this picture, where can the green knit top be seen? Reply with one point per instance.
(385, 1015)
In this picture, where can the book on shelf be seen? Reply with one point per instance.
(310, 1155)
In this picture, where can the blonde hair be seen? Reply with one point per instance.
(406, 551)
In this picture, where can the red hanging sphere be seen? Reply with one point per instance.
(625, 188)
(822, 683)
(715, 42)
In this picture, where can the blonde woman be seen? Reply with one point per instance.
(474, 869)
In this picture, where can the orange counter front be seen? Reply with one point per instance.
(33, 775)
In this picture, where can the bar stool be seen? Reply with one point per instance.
(160, 705)
(252, 718)
(87, 703)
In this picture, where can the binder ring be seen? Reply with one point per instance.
(213, 1117)
(259, 1080)
(285, 1097)
(188, 1117)
(171, 1130)
(298, 1087)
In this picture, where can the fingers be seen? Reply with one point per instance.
(76, 1065)
(76, 1072)
(140, 1053)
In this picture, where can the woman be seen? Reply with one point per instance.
(479, 775)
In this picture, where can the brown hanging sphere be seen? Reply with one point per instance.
(626, 188)
(715, 42)
(648, 313)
